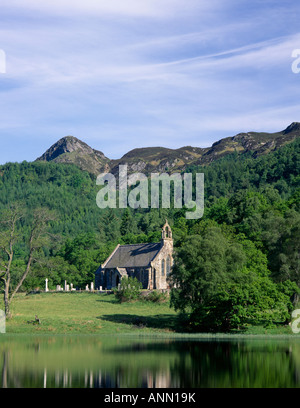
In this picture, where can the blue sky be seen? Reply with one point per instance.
(121, 74)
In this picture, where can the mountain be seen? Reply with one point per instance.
(257, 143)
(69, 149)
(158, 159)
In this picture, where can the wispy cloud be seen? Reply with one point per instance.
(121, 75)
(134, 8)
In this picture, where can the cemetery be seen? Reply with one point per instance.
(70, 288)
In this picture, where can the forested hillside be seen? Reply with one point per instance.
(240, 264)
(250, 202)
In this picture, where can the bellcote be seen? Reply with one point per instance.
(166, 232)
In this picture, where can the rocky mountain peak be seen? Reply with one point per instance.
(293, 127)
(71, 150)
(67, 144)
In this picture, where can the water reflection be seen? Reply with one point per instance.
(105, 362)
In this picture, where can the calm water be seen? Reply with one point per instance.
(125, 362)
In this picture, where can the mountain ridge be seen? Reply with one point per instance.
(69, 149)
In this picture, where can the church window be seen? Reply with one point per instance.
(168, 265)
(163, 267)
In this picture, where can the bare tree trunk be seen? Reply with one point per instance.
(6, 278)
(6, 300)
(23, 276)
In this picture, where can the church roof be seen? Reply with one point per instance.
(136, 255)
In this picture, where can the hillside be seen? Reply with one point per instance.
(160, 159)
(256, 196)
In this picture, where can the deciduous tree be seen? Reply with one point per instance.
(10, 234)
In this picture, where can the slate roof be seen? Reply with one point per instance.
(136, 255)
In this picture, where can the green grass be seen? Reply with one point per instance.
(87, 313)
(93, 313)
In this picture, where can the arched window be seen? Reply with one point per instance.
(168, 265)
(163, 267)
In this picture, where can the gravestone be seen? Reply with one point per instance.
(2, 321)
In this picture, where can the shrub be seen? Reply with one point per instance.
(156, 296)
(130, 290)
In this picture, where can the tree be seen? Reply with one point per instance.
(281, 237)
(9, 237)
(84, 253)
(126, 223)
(56, 269)
(222, 282)
(202, 265)
(249, 299)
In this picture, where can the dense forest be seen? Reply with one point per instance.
(251, 221)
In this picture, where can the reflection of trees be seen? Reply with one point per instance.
(235, 364)
(4, 370)
(7, 380)
(153, 364)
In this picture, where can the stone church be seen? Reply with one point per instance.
(149, 263)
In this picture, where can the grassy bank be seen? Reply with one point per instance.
(87, 313)
(93, 313)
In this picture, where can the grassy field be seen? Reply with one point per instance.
(93, 313)
(87, 313)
